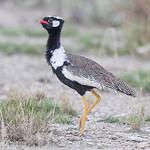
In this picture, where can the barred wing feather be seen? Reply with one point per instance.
(87, 72)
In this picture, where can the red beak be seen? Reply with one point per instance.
(43, 22)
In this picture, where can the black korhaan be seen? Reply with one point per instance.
(77, 72)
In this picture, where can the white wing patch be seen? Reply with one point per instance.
(58, 58)
(82, 80)
(86, 81)
(55, 23)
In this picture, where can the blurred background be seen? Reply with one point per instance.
(102, 27)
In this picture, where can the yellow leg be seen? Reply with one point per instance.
(96, 101)
(84, 116)
(87, 109)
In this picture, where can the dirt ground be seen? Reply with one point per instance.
(30, 73)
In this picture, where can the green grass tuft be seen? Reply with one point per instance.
(111, 119)
(12, 48)
(69, 30)
(139, 79)
(136, 119)
(147, 118)
(22, 117)
(38, 109)
(32, 32)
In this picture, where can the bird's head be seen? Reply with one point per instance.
(52, 23)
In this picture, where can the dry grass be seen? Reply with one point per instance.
(136, 119)
(26, 118)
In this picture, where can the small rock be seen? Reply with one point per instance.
(144, 145)
(135, 139)
(114, 138)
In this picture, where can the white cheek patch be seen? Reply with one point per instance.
(55, 23)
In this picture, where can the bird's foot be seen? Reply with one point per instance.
(81, 126)
(80, 122)
(83, 120)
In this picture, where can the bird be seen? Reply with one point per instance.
(77, 72)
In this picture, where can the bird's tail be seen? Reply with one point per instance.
(123, 87)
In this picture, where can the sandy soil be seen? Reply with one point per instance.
(30, 73)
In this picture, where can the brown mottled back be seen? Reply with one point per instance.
(84, 67)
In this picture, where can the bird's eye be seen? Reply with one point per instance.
(50, 20)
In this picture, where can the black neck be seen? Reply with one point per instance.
(53, 41)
